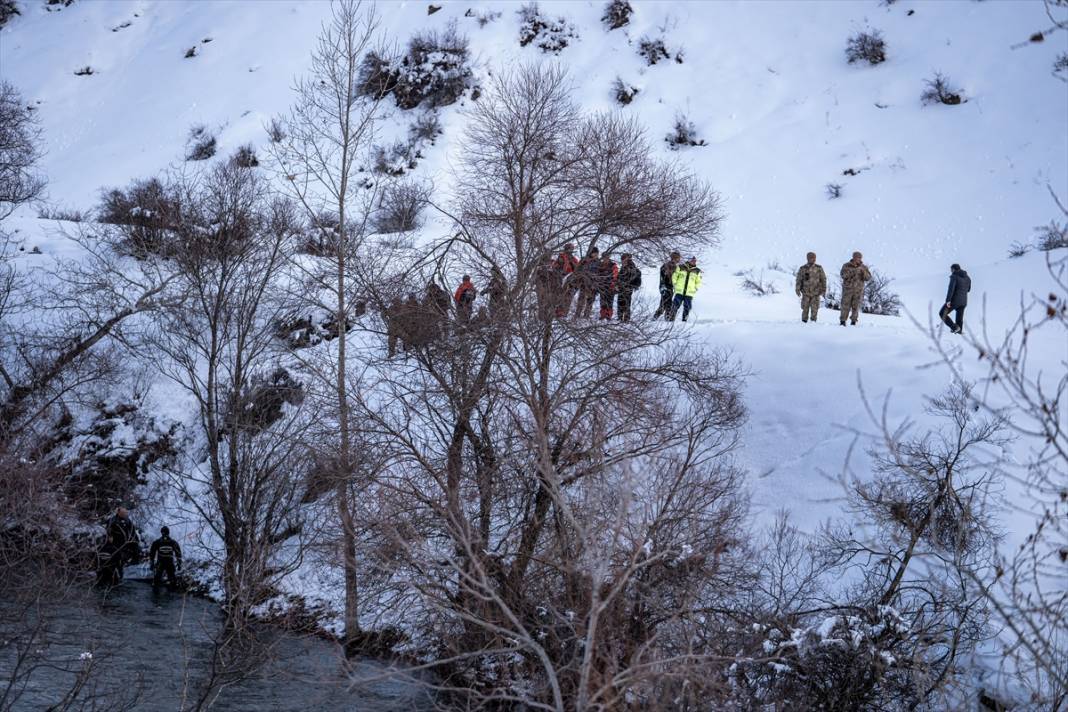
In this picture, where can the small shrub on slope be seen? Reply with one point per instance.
(940, 90)
(866, 47)
(653, 50)
(550, 35)
(623, 92)
(685, 134)
(435, 71)
(616, 14)
(200, 145)
(399, 208)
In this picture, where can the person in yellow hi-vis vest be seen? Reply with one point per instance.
(685, 283)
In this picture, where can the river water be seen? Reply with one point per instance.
(154, 651)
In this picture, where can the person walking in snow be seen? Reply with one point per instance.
(685, 283)
(585, 279)
(165, 557)
(855, 275)
(810, 285)
(465, 299)
(630, 278)
(606, 284)
(956, 299)
(667, 272)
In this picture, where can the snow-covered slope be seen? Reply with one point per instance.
(782, 115)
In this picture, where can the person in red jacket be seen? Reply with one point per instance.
(564, 286)
(465, 299)
(607, 282)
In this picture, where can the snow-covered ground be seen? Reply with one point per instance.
(768, 88)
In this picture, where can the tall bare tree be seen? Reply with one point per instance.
(318, 150)
(20, 149)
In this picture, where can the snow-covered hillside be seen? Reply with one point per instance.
(780, 115)
(770, 93)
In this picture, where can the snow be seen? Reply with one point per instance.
(782, 113)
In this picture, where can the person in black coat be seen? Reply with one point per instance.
(165, 556)
(667, 272)
(121, 546)
(630, 278)
(956, 299)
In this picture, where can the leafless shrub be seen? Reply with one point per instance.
(652, 49)
(484, 18)
(550, 35)
(200, 145)
(1024, 591)
(192, 52)
(878, 297)
(834, 190)
(1018, 249)
(616, 14)
(684, 134)
(145, 211)
(85, 71)
(276, 131)
(1053, 236)
(20, 138)
(756, 285)
(399, 207)
(940, 90)
(867, 47)
(623, 92)
(245, 157)
(63, 214)
(426, 128)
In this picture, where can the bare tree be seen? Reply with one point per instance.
(20, 150)
(559, 494)
(220, 347)
(329, 131)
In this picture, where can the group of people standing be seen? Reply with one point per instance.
(811, 286)
(564, 282)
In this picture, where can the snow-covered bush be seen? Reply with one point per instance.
(756, 285)
(245, 157)
(200, 145)
(616, 14)
(434, 71)
(105, 460)
(685, 134)
(867, 47)
(1018, 249)
(483, 18)
(653, 50)
(8, 9)
(395, 159)
(65, 214)
(940, 90)
(623, 92)
(548, 34)
(261, 402)
(834, 190)
(399, 207)
(426, 128)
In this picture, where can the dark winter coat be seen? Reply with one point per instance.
(630, 277)
(437, 299)
(959, 286)
(165, 548)
(122, 536)
(667, 272)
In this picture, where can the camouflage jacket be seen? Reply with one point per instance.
(854, 277)
(811, 280)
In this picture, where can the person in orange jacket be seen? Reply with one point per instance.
(465, 299)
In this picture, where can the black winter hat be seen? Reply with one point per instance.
(164, 531)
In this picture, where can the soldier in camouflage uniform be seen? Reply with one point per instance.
(810, 285)
(855, 275)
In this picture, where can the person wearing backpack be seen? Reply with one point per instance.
(630, 278)
(956, 299)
